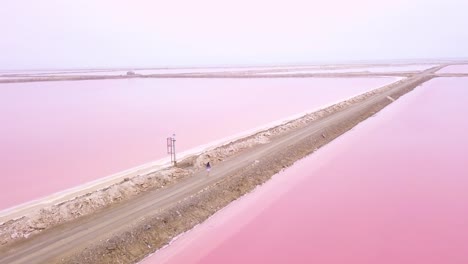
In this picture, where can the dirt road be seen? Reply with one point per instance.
(60, 244)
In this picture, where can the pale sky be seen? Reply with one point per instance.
(152, 33)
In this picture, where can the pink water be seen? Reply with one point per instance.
(392, 190)
(57, 135)
(454, 69)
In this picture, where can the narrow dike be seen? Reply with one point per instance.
(149, 231)
(144, 238)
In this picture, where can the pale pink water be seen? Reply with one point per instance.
(454, 69)
(393, 190)
(57, 135)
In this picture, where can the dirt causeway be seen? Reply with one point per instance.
(158, 208)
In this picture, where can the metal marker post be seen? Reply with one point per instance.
(171, 148)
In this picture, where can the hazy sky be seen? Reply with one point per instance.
(141, 33)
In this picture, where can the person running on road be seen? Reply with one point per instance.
(208, 167)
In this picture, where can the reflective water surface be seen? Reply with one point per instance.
(392, 190)
(454, 69)
(57, 135)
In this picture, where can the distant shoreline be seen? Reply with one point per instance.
(341, 71)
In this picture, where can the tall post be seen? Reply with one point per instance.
(171, 148)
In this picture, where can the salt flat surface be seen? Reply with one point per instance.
(6, 78)
(190, 70)
(47, 72)
(454, 69)
(171, 70)
(57, 135)
(150, 71)
(213, 70)
(147, 72)
(384, 69)
(260, 70)
(84, 73)
(392, 190)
